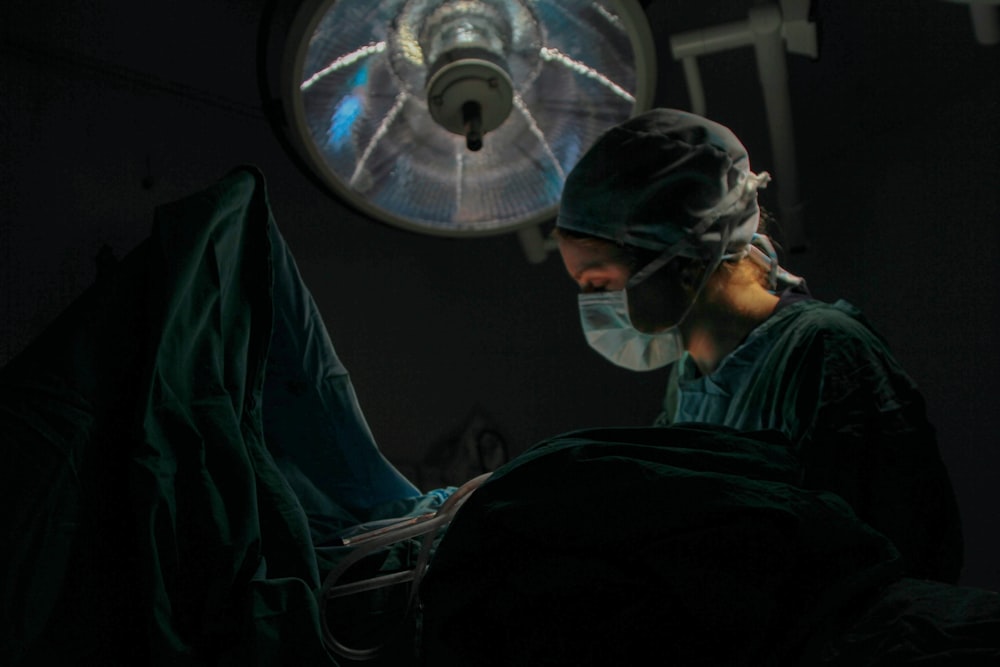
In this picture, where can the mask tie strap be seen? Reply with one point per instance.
(732, 201)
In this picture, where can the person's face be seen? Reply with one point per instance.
(655, 304)
(594, 265)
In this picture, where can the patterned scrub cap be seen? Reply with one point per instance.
(666, 180)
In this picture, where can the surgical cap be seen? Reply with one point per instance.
(665, 180)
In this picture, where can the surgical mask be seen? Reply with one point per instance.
(607, 325)
(608, 329)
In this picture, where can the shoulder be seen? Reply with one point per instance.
(840, 322)
(835, 337)
(852, 353)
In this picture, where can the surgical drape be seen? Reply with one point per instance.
(146, 519)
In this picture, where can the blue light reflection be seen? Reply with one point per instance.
(348, 110)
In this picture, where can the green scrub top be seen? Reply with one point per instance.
(821, 376)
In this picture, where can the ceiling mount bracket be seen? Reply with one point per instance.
(772, 31)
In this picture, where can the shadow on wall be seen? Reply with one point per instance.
(476, 447)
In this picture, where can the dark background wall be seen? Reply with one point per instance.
(109, 108)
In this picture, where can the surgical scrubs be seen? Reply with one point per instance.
(819, 374)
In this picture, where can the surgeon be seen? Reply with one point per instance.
(659, 227)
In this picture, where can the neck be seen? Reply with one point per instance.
(717, 326)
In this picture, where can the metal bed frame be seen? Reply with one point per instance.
(428, 525)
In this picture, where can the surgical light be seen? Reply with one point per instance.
(458, 117)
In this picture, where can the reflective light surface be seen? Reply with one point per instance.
(360, 109)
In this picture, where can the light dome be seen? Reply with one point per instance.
(459, 117)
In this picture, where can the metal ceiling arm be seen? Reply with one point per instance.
(536, 246)
(985, 16)
(771, 30)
